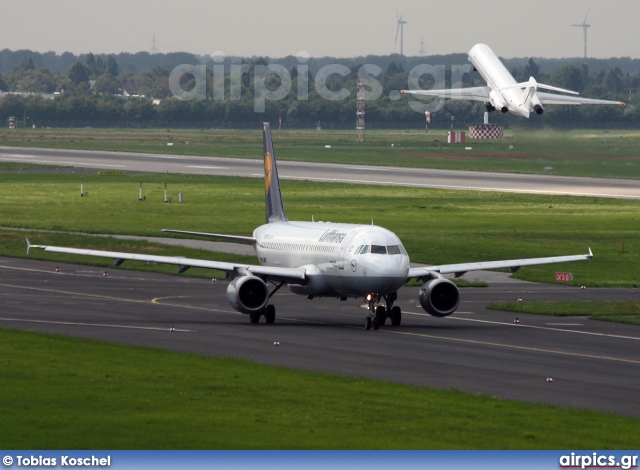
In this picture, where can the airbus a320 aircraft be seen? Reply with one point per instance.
(323, 259)
(503, 93)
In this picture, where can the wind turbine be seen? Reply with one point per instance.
(584, 27)
(400, 29)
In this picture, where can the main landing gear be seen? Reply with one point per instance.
(378, 314)
(269, 313)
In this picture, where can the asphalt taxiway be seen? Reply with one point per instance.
(593, 364)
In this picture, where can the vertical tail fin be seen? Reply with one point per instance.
(528, 93)
(272, 196)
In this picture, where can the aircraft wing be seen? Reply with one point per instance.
(288, 275)
(551, 98)
(514, 265)
(480, 93)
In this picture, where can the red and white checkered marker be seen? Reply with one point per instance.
(486, 131)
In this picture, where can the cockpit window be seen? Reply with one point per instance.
(380, 250)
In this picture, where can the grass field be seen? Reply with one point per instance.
(66, 393)
(578, 153)
(619, 312)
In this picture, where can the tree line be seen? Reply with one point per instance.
(96, 91)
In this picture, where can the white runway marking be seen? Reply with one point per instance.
(58, 162)
(520, 325)
(203, 167)
(127, 327)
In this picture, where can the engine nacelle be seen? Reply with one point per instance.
(538, 109)
(439, 297)
(248, 294)
(497, 101)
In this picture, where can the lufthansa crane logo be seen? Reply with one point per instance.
(268, 166)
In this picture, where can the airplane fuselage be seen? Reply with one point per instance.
(504, 93)
(343, 260)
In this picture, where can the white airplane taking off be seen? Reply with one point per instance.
(503, 93)
(323, 259)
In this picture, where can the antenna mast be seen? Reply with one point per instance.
(360, 104)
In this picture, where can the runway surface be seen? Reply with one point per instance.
(593, 364)
(387, 176)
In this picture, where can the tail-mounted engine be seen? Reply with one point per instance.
(497, 101)
(439, 297)
(248, 294)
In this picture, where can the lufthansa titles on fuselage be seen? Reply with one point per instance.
(332, 236)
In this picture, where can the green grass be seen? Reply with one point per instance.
(435, 226)
(578, 153)
(66, 393)
(619, 312)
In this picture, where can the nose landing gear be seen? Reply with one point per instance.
(378, 314)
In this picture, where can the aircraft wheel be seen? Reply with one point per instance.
(396, 316)
(367, 323)
(381, 316)
(270, 314)
(254, 317)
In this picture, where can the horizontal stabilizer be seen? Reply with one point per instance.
(533, 83)
(232, 238)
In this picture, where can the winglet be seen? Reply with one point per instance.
(28, 246)
(273, 198)
(590, 255)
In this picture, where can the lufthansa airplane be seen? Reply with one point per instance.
(503, 93)
(323, 259)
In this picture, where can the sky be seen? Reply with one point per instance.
(339, 28)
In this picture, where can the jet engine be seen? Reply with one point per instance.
(248, 294)
(497, 101)
(538, 109)
(439, 297)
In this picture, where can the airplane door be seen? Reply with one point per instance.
(344, 251)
